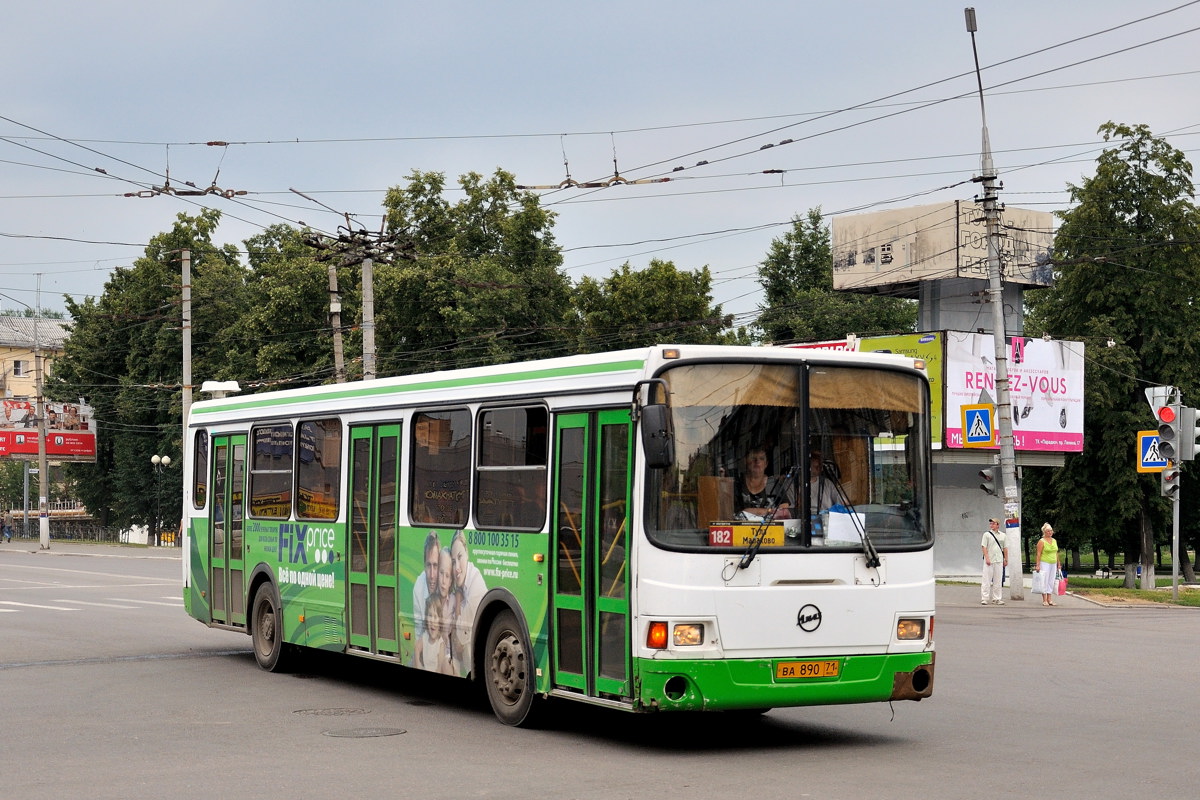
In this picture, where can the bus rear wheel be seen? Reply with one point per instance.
(266, 630)
(507, 671)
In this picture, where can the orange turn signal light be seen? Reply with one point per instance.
(656, 636)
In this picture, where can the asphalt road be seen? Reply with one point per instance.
(108, 690)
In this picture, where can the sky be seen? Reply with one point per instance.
(342, 101)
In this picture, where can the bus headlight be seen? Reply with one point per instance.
(689, 634)
(910, 629)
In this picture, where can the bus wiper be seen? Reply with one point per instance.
(869, 550)
(761, 532)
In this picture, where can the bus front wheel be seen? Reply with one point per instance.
(266, 632)
(507, 671)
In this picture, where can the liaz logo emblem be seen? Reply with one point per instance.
(809, 618)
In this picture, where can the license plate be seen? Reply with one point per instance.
(786, 670)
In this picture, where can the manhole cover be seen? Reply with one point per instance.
(365, 733)
(331, 712)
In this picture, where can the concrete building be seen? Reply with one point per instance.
(19, 338)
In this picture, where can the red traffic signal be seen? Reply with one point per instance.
(1168, 431)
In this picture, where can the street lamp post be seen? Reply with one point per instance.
(160, 463)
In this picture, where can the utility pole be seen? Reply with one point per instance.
(1175, 501)
(43, 467)
(185, 259)
(25, 503)
(1008, 461)
(335, 322)
(362, 248)
(368, 312)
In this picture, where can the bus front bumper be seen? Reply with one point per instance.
(719, 685)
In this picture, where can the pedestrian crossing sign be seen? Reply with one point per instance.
(977, 425)
(1150, 458)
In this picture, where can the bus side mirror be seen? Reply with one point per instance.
(658, 441)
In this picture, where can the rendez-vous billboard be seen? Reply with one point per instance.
(1045, 383)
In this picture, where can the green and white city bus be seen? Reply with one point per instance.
(593, 527)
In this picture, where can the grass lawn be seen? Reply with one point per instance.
(1113, 588)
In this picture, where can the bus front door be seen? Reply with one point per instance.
(374, 473)
(226, 548)
(591, 562)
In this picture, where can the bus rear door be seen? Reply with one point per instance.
(226, 527)
(591, 562)
(374, 484)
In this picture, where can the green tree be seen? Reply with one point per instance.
(487, 285)
(801, 304)
(1127, 271)
(12, 485)
(285, 331)
(658, 305)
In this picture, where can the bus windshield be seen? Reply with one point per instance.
(823, 455)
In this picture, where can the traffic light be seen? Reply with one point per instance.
(989, 481)
(1188, 448)
(1169, 419)
(1170, 480)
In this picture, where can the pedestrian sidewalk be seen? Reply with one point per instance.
(69, 547)
(964, 590)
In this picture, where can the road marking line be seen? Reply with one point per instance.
(86, 603)
(178, 604)
(34, 605)
(59, 586)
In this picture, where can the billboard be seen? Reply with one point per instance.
(1045, 380)
(897, 249)
(70, 431)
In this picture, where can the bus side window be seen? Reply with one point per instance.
(513, 447)
(271, 471)
(441, 467)
(318, 469)
(200, 470)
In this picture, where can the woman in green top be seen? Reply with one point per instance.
(1046, 565)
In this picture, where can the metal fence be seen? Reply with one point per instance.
(69, 522)
(77, 532)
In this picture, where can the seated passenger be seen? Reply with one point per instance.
(822, 484)
(757, 493)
